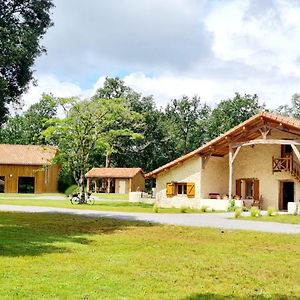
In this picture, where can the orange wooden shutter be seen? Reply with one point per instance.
(256, 189)
(170, 189)
(238, 187)
(191, 189)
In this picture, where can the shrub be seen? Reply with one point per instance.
(270, 211)
(183, 209)
(244, 208)
(203, 208)
(238, 212)
(72, 190)
(231, 206)
(254, 212)
(65, 180)
(155, 208)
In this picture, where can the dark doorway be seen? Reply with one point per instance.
(2, 184)
(26, 185)
(287, 194)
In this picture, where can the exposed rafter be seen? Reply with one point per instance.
(266, 142)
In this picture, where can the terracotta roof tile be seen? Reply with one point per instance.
(113, 172)
(26, 154)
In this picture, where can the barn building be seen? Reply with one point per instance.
(28, 169)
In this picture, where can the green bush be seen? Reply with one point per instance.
(65, 180)
(155, 208)
(254, 212)
(183, 209)
(203, 208)
(72, 190)
(270, 211)
(238, 212)
(231, 206)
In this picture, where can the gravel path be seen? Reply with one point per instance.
(215, 220)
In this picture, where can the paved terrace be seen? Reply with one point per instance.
(213, 220)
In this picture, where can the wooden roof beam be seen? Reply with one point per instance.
(266, 142)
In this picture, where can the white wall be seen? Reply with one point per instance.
(188, 171)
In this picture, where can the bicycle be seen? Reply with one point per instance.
(76, 198)
(90, 198)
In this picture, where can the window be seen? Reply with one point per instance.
(249, 189)
(180, 188)
(26, 185)
(286, 150)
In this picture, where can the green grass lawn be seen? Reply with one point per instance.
(48, 256)
(105, 205)
(291, 219)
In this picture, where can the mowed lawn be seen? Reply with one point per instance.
(101, 205)
(48, 256)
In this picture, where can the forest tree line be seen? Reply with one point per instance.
(119, 127)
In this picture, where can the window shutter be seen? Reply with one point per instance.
(170, 189)
(256, 189)
(191, 189)
(238, 188)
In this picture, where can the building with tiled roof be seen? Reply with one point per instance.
(28, 169)
(257, 162)
(115, 180)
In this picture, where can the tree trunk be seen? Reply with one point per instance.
(81, 188)
(107, 160)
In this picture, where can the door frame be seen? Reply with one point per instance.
(280, 196)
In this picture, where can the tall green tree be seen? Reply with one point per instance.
(292, 110)
(89, 125)
(27, 128)
(149, 152)
(232, 112)
(22, 25)
(113, 88)
(185, 119)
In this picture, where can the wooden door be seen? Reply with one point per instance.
(122, 186)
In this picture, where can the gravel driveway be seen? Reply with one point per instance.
(214, 220)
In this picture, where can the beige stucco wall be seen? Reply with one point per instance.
(137, 181)
(215, 177)
(188, 171)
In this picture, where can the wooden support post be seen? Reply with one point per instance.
(108, 185)
(96, 188)
(88, 184)
(236, 153)
(296, 151)
(230, 161)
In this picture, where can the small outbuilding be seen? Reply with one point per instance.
(28, 169)
(115, 180)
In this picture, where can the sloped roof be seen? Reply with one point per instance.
(247, 130)
(26, 154)
(113, 172)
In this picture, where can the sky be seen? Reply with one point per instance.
(171, 48)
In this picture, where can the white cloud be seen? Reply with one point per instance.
(269, 41)
(167, 86)
(209, 48)
(51, 84)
